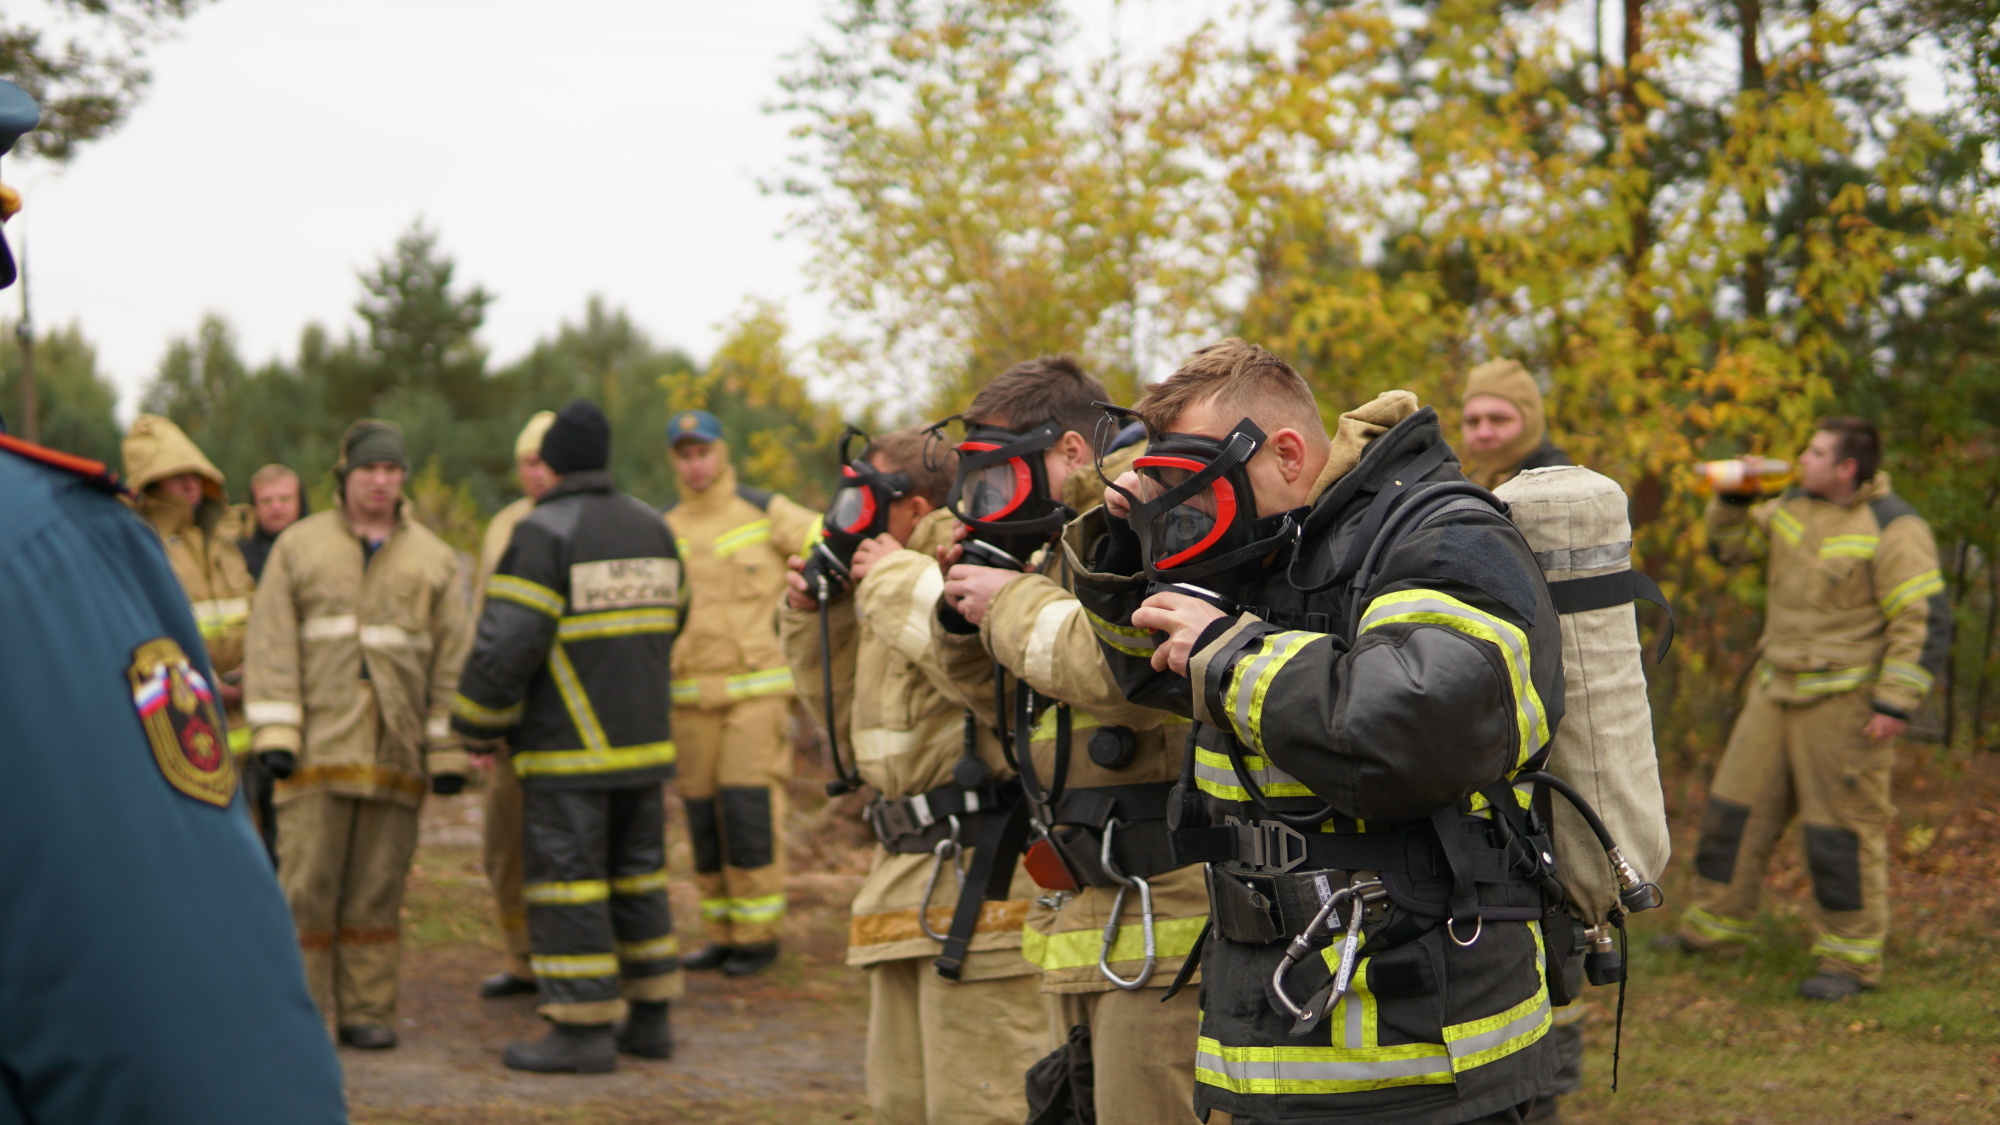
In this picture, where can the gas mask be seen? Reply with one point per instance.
(1002, 494)
(860, 510)
(1195, 514)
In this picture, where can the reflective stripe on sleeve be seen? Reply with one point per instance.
(1429, 607)
(1250, 681)
(1849, 546)
(1215, 776)
(580, 893)
(520, 591)
(915, 636)
(1906, 674)
(476, 714)
(1910, 591)
(737, 538)
(1038, 663)
(329, 628)
(1786, 526)
(271, 712)
(1123, 638)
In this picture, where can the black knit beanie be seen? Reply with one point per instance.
(580, 439)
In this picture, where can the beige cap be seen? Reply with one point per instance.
(532, 434)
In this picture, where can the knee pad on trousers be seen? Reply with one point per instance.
(1721, 837)
(703, 835)
(746, 826)
(1833, 856)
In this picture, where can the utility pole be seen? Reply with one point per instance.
(24, 331)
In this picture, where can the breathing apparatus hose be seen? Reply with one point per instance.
(1635, 892)
(843, 781)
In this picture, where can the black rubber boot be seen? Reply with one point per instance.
(645, 1032)
(368, 1037)
(708, 958)
(746, 960)
(506, 984)
(1830, 986)
(568, 1048)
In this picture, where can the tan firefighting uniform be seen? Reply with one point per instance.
(1856, 623)
(1142, 1051)
(207, 561)
(732, 701)
(502, 828)
(352, 664)
(938, 1051)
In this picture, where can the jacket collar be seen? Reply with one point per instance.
(1876, 488)
(571, 484)
(1385, 453)
(402, 517)
(719, 492)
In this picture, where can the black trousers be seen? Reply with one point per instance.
(596, 885)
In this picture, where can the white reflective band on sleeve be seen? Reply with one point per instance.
(329, 628)
(387, 636)
(872, 744)
(437, 727)
(1039, 662)
(273, 713)
(915, 639)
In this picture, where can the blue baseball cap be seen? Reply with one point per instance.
(18, 116)
(693, 425)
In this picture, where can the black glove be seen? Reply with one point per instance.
(281, 763)
(447, 784)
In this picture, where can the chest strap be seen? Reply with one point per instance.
(909, 825)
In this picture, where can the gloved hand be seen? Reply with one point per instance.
(447, 784)
(281, 763)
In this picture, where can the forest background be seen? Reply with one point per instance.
(1702, 224)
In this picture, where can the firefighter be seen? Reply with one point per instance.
(574, 643)
(1112, 777)
(1856, 630)
(355, 642)
(732, 694)
(1505, 426)
(501, 831)
(1355, 741)
(938, 1050)
(277, 501)
(180, 498)
(139, 905)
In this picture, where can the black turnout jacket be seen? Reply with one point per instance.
(1438, 679)
(570, 665)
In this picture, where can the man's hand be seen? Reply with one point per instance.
(869, 553)
(798, 595)
(949, 554)
(971, 589)
(230, 694)
(1182, 619)
(1115, 504)
(1884, 726)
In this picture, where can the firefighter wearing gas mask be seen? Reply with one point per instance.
(937, 1049)
(1117, 916)
(1366, 676)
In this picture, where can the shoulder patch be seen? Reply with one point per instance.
(756, 496)
(177, 709)
(1890, 508)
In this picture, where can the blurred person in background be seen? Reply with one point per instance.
(277, 501)
(1503, 427)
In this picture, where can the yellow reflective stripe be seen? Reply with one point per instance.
(1717, 927)
(1481, 1041)
(750, 685)
(1319, 1070)
(239, 739)
(520, 591)
(769, 908)
(1908, 674)
(1524, 796)
(473, 712)
(737, 538)
(1854, 951)
(575, 701)
(1250, 681)
(575, 967)
(1833, 680)
(656, 949)
(1911, 591)
(686, 692)
(579, 893)
(715, 909)
(1123, 638)
(1076, 949)
(645, 883)
(1787, 527)
(1429, 607)
(215, 615)
(1215, 776)
(617, 623)
(570, 763)
(1849, 546)
(1045, 727)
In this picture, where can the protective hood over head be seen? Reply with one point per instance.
(156, 449)
(1002, 493)
(1506, 379)
(530, 441)
(859, 511)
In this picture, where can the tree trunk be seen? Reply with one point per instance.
(1756, 282)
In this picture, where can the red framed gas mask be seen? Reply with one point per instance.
(1002, 493)
(859, 510)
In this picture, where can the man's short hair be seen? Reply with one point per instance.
(272, 474)
(1050, 388)
(1856, 439)
(1237, 376)
(903, 451)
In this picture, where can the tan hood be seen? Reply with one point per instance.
(156, 449)
(1357, 428)
(1506, 379)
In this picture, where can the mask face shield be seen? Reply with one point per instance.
(859, 510)
(1002, 494)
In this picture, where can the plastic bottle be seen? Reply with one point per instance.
(1741, 474)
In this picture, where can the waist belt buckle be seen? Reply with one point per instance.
(1268, 845)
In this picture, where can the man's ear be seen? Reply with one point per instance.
(920, 506)
(1075, 449)
(1289, 447)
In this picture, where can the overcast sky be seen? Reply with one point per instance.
(560, 149)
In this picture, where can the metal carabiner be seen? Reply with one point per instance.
(1360, 894)
(947, 851)
(1125, 883)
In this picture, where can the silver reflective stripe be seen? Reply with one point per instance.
(1486, 1040)
(1512, 642)
(1585, 558)
(267, 712)
(329, 628)
(387, 636)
